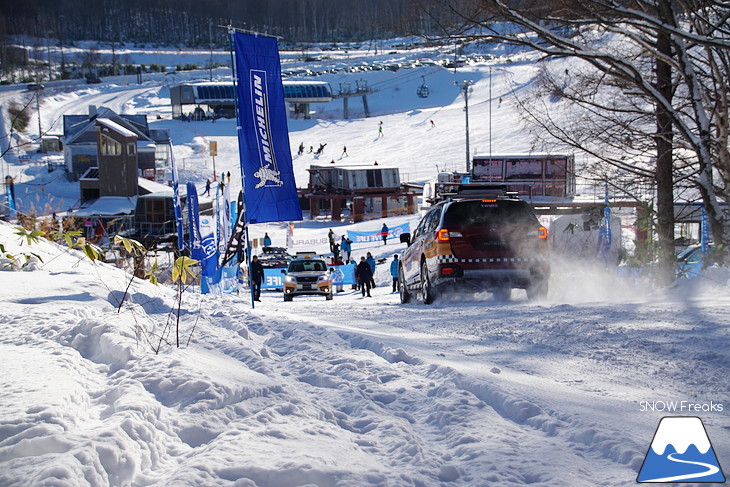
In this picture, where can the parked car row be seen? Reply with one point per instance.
(355, 68)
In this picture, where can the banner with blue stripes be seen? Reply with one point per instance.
(203, 247)
(270, 190)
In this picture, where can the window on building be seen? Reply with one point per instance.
(131, 148)
(375, 178)
(109, 146)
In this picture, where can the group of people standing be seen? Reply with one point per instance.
(364, 270)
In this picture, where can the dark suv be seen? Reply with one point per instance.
(490, 244)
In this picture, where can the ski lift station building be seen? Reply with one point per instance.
(219, 98)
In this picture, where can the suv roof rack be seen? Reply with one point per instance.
(479, 190)
(306, 255)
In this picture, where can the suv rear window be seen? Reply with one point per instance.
(483, 212)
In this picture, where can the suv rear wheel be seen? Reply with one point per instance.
(405, 296)
(538, 289)
(502, 294)
(427, 292)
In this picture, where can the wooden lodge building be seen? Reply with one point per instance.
(365, 191)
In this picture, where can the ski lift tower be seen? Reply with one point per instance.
(346, 92)
(466, 89)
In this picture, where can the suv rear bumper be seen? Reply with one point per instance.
(490, 273)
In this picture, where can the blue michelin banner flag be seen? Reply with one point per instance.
(263, 135)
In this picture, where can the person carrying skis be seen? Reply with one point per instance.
(384, 234)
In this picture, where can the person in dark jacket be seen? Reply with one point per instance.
(257, 277)
(371, 262)
(364, 275)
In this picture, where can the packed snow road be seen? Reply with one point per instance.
(571, 379)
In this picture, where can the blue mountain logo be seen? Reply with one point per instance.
(681, 452)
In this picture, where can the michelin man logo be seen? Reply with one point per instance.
(680, 452)
(267, 175)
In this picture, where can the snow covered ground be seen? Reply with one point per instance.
(350, 392)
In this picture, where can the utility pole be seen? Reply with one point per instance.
(466, 89)
(210, 40)
(38, 112)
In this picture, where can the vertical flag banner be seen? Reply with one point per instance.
(704, 231)
(224, 215)
(263, 135)
(604, 232)
(202, 243)
(11, 202)
(176, 202)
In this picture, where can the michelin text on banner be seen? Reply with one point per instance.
(263, 135)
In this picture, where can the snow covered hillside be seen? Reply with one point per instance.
(350, 392)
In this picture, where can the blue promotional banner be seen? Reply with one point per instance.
(343, 275)
(176, 202)
(11, 202)
(376, 236)
(270, 190)
(273, 278)
(202, 243)
(224, 281)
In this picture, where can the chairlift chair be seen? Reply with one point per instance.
(423, 90)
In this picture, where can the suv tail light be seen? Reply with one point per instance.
(444, 235)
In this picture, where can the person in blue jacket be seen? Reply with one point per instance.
(371, 262)
(267, 240)
(394, 272)
(345, 248)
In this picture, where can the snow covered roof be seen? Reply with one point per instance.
(108, 206)
(115, 127)
(74, 126)
(151, 187)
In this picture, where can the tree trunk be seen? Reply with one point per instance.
(664, 178)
